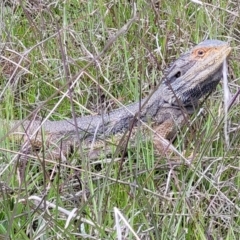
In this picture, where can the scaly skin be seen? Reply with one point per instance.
(190, 78)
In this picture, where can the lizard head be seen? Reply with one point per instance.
(196, 73)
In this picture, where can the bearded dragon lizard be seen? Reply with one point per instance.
(193, 76)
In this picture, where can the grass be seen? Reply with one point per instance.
(57, 41)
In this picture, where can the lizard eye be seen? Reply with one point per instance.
(200, 52)
(178, 74)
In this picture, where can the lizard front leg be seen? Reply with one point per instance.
(165, 133)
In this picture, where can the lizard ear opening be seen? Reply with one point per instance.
(178, 74)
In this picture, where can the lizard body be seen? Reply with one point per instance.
(191, 77)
